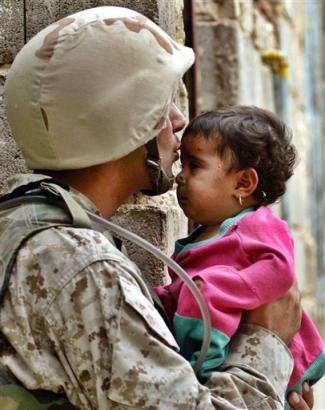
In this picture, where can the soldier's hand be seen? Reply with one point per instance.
(304, 402)
(282, 316)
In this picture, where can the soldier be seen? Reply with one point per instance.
(90, 103)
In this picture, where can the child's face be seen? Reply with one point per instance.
(205, 187)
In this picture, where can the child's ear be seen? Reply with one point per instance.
(247, 180)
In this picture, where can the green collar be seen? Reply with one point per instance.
(187, 243)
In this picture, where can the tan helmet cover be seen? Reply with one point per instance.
(92, 87)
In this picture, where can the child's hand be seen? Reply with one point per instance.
(304, 401)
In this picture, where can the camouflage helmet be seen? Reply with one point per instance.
(92, 87)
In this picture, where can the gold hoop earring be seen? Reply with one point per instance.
(240, 200)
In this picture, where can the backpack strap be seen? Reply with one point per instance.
(31, 186)
(79, 216)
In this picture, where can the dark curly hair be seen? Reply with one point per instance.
(255, 138)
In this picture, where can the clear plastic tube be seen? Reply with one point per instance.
(102, 224)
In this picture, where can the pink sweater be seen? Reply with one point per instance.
(249, 263)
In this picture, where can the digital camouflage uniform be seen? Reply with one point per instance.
(78, 319)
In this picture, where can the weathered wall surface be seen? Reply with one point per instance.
(11, 160)
(141, 214)
(12, 39)
(232, 37)
(12, 31)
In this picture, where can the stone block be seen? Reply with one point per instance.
(40, 13)
(255, 79)
(214, 10)
(263, 33)
(292, 10)
(297, 195)
(294, 50)
(11, 159)
(218, 64)
(206, 10)
(161, 226)
(11, 29)
(171, 18)
(245, 13)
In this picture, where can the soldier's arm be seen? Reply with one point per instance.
(255, 373)
(119, 350)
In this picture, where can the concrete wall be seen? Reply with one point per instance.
(232, 37)
(158, 220)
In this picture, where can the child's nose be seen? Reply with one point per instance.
(180, 179)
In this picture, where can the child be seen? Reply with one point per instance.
(235, 162)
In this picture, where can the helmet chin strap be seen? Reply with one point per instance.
(160, 181)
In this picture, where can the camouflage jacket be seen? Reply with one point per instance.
(78, 319)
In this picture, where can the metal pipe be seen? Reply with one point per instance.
(279, 66)
(191, 77)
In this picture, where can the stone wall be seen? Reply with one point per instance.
(11, 160)
(232, 39)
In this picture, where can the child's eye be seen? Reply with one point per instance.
(193, 165)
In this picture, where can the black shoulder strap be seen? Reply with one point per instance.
(32, 186)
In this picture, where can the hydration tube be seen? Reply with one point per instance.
(101, 224)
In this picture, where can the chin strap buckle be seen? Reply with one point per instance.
(153, 164)
(160, 182)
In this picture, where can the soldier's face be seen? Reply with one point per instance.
(168, 142)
